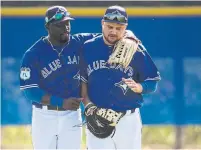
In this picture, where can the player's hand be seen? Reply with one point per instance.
(72, 103)
(130, 35)
(135, 87)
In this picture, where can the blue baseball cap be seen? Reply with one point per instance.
(116, 14)
(56, 14)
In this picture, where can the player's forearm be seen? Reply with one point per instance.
(86, 100)
(40, 96)
(84, 93)
(149, 86)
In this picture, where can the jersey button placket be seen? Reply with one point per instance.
(62, 58)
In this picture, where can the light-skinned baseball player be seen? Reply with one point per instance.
(113, 84)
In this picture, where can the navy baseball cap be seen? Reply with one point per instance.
(56, 14)
(116, 14)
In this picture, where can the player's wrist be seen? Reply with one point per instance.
(140, 88)
(86, 102)
(129, 35)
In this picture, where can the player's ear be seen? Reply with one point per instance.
(126, 27)
(102, 22)
(46, 27)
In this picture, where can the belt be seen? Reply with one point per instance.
(128, 112)
(47, 107)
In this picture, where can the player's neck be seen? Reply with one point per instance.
(55, 42)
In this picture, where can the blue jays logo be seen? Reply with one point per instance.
(124, 87)
(62, 11)
(117, 13)
(77, 77)
(25, 73)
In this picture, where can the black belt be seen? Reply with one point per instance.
(49, 107)
(133, 110)
(128, 111)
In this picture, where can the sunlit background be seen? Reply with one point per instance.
(169, 30)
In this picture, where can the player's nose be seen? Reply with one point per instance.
(66, 29)
(113, 31)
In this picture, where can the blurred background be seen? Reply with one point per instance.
(169, 30)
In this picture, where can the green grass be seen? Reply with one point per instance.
(154, 137)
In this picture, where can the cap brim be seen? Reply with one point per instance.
(113, 21)
(64, 19)
(67, 18)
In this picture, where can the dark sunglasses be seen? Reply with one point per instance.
(58, 16)
(115, 17)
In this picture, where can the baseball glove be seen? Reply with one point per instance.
(123, 51)
(101, 122)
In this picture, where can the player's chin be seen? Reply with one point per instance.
(112, 41)
(64, 38)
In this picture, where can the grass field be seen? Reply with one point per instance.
(154, 137)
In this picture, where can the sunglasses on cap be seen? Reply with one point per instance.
(115, 17)
(57, 17)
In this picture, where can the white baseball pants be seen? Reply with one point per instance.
(127, 135)
(56, 129)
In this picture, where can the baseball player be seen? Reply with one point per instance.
(50, 78)
(112, 93)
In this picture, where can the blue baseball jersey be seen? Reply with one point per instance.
(105, 86)
(43, 68)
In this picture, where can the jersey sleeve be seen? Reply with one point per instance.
(149, 86)
(29, 80)
(83, 67)
(83, 37)
(146, 68)
(29, 74)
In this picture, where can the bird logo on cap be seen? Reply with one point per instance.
(116, 12)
